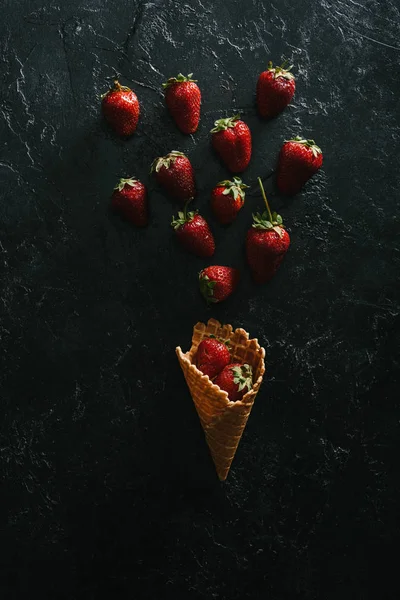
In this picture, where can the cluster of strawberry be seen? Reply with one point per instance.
(213, 359)
(267, 240)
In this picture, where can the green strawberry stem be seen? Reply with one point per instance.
(185, 209)
(265, 199)
(183, 217)
(115, 87)
(226, 342)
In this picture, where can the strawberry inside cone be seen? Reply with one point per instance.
(236, 379)
(212, 356)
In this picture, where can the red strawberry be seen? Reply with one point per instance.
(121, 109)
(231, 139)
(266, 244)
(217, 283)
(275, 89)
(298, 161)
(212, 356)
(130, 199)
(236, 379)
(227, 198)
(194, 234)
(175, 173)
(183, 99)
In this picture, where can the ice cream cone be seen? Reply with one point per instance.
(223, 421)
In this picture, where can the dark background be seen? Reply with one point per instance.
(108, 489)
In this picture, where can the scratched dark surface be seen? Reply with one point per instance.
(107, 486)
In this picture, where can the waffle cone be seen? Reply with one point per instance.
(223, 421)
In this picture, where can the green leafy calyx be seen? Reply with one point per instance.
(282, 71)
(243, 377)
(235, 188)
(263, 221)
(123, 182)
(183, 217)
(165, 161)
(178, 79)
(308, 143)
(222, 124)
(207, 288)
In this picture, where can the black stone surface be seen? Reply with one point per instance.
(108, 489)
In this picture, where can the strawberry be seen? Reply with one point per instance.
(175, 173)
(227, 198)
(217, 283)
(266, 244)
(212, 356)
(121, 109)
(194, 234)
(231, 139)
(183, 99)
(236, 379)
(298, 161)
(130, 199)
(275, 89)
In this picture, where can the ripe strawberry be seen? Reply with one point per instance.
(175, 173)
(217, 283)
(236, 379)
(231, 139)
(183, 99)
(212, 356)
(227, 198)
(298, 161)
(121, 109)
(130, 199)
(194, 234)
(266, 244)
(275, 89)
